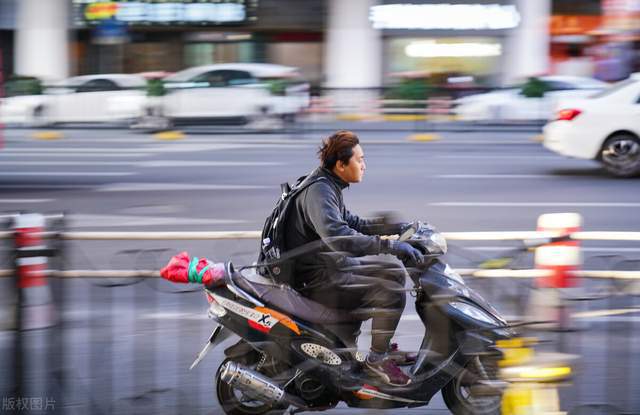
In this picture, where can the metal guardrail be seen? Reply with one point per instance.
(469, 272)
(233, 235)
(220, 235)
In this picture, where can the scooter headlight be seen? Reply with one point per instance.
(473, 312)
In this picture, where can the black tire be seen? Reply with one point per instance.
(231, 404)
(620, 155)
(460, 401)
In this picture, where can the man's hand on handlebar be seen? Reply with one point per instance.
(405, 252)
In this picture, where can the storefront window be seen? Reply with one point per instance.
(476, 56)
(196, 54)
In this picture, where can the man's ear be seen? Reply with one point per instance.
(340, 165)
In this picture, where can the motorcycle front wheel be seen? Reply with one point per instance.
(236, 402)
(458, 394)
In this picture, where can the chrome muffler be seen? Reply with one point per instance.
(257, 385)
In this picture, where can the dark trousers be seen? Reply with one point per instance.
(366, 288)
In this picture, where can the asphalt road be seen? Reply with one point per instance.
(129, 347)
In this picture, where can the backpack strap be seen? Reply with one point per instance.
(286, 189)
(303, 184)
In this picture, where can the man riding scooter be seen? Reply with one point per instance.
(377, 292)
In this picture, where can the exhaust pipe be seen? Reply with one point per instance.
(257, 385)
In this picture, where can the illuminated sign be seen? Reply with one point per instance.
(444, 16)
(431, 49)
(183, 12)
(101, 10)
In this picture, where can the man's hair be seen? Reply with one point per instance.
(338, 146)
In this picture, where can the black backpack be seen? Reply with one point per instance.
(271, 263)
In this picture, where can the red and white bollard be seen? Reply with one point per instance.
(560, 259)
(36, 306)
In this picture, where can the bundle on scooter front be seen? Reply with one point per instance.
(185, 269)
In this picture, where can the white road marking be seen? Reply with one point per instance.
(93, 150)
(153, 163)
(495, 176)
(152, 187)
(87, 221)
(65, 173)
(189, 163)
(44, 186)
(497, 156)
(26, 200)
(584, 249)
(537, 204)
(78, 155)
(66, 163)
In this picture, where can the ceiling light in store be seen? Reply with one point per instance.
(431, 49)
(444, 16)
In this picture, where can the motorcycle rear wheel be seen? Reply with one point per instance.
(234, 402)
(459, 399)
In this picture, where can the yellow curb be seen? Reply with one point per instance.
(352, 117)
(423, 137)
(47, 135)
(442, 117)
(404, 117)
(537, 138)
(169, 135)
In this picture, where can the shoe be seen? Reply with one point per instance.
(386, 369)
(401, 358)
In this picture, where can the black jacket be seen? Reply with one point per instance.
(319, 221)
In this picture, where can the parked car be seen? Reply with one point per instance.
(513, 104)
(80, 99)
(241, 92)
(604, 127)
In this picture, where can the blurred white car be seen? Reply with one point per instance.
(80, 99)
(243, 91)
(604, 127)
(510, 105)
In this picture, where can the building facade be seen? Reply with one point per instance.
(336, 43)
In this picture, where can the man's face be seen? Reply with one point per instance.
(352, 172)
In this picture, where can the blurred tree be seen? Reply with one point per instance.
(277, 86)
(18, 85)
(155, 87)
(534, 88)
(418, 89)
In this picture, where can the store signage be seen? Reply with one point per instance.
(432, 49)
(175, 11)
(101, 11)
(445, 16)
(573, 24)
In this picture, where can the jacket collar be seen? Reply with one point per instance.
(334, 178)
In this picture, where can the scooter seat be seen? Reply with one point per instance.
(288, 300)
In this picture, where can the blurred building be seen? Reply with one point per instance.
(336, 43)
(149, 35)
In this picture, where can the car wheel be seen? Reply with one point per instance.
(620, 155)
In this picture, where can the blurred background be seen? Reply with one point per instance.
(121, 121)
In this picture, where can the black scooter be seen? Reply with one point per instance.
(296, 355)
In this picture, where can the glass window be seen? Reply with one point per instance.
(222, 78)
(558, 86)
(98, 85)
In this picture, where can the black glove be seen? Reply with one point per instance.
(404, 251)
